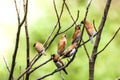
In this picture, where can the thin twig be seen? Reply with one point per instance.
(69, 12)
(56, 70)
(72, 24)
(59, 25)
(27, 42)
(7, 66)
(98, 37)
(40, 65)
(94, 25)
(30, 66)
(109, 42)
(86, 51)
(17, 11)
(55, 24)
(17, 39)
(62, 77)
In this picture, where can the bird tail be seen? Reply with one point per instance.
(92, 40)
(42, 52)
(65, 71)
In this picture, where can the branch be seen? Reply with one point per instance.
(36, 57)
(71, 25)
(40, 65)
(103, 20)
(58, 69)
(18, 15)
(55, 24)
(6, 64)
(86, 51)
(17, 39)
(30, 66)
(86, 13)
(70, 13)
(108, 42)
(27, 42)
(94, 25)
(57, 14)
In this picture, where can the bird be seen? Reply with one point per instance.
(70, 50)
(76, 34)
(90, 30)
(61, 45)
(58, 62)
(39, 48)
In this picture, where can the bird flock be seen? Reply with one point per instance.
(62, 50)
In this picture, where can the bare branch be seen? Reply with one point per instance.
(27, 42)
(94, 25)
(103, 20)
(30, 66)
(86, 51)
(86, 13)
(70, 13)
(71, 25)
(17, 39)
(57, 14)
(55, 24)
(7, 66)
(108, 42)
(62, 77)
(18, 15)
(40, 65)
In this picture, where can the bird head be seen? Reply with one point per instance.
(55, 57)
(75, 44)
(34, 44)
(77, 27)
(64, 36)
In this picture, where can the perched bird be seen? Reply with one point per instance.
(70, 50)
(58, 62)
(39, 48)
(77, 34)
(90, 30)
(61, 45)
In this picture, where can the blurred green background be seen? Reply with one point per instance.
(41, 20)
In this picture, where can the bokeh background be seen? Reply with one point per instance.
(41, 20)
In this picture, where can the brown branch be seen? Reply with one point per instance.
(62, 77)
(108, 42)
(55, 24)
(94, 25)
(98, 37)
(18, 15)
(58, 69)
(69, 12)
(59, 25)
(30, 66)
(71, 25)
(7, 66)
(86, 51)
(40, 65)
(27, 42)
(86, 13)
(17, 39)
(36, 57)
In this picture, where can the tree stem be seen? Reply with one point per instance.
(91, 70)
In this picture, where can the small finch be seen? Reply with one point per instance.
(70, 50)
(90, 30)
(61, 45)
(39, 48)
(77, 34)
(58, 62)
